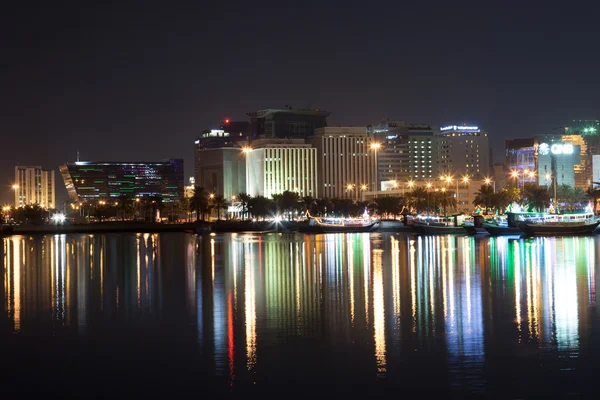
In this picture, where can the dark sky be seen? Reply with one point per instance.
(140, 81)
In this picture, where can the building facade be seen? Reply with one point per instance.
(290, 122)
(345, 161)
(97, 180)
(407, 150)
(34, 185)
(274, 166)
(220, 171)
(462, 150)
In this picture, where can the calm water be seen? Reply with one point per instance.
(126, 315)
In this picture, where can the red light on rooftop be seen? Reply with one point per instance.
(227, 120)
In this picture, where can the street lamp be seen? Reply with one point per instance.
(349, 187)
(375, 147)
(428, 187)
(465, 180)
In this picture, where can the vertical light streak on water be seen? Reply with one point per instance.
(366, 249)
(467, 269)
(59, 275)
(451, 271)
(250, 306)
(199, 291)
(413, 284)
(591, 270)
(536, 288)
(138, 267)
(234, 263)
(379, 312)
(350, 252)
(299, 281)
(212, 260)
(548, 247)
(431, 259)
(565, 298)
(16, 272)
(517, 266)
(219, 315)
(528, 288)
(444, 266)
(395, 250)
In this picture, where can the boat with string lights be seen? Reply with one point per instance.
(567, 224)
(339, 225)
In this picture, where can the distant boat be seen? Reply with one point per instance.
(560, 224)
(439, 225)
(339, 225)
(499, 226)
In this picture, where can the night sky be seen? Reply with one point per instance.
(140, 82)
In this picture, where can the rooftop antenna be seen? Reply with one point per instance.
(77, 155)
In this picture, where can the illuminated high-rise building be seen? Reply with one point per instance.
(345, 161)
(407, 151)
(34, 185)
(462, 150)
(95, 180)
(277, 165)
(221, 170)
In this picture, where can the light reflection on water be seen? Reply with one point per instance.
(369, 306)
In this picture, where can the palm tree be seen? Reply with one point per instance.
(322, 206)
(244, 199)
(576, 198)
(260, 206)
(156, 202)
(124, 204)
(388, 205)
(308, 203)
(538, 198)
(484, 196)
(198, 202)
(220, 203)
(418, 199)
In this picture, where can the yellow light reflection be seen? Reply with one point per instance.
(250, 308)
(379, 311)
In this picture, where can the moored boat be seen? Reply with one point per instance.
(439, 225)
(561, 224)
(339, 225)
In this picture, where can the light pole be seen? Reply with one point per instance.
(428, 187)
(466, 182)
(349, 187)
(15, 187)
(375, 147)
(363, 187)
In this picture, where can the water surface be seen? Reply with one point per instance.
(125, 315)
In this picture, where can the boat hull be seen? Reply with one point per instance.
(503, 230)
(475, 230)
(439, 230)
(339, 229)
(558, 230)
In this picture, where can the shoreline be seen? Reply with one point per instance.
(189, 227)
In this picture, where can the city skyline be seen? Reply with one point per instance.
(135, 83)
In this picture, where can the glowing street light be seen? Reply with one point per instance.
(246, 150)
(375, 147)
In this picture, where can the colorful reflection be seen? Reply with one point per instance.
(250, 302)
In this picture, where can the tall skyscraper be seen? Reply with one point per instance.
(462, 150)
(221, 170)
(34, 185)
(97, 180)
(274, 166)
(407, 151)
(290, 122)
(345, 161)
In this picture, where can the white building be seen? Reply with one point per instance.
(276, 165)
(34, 185)
(346, 162)
(595, 171)
(462, 150)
